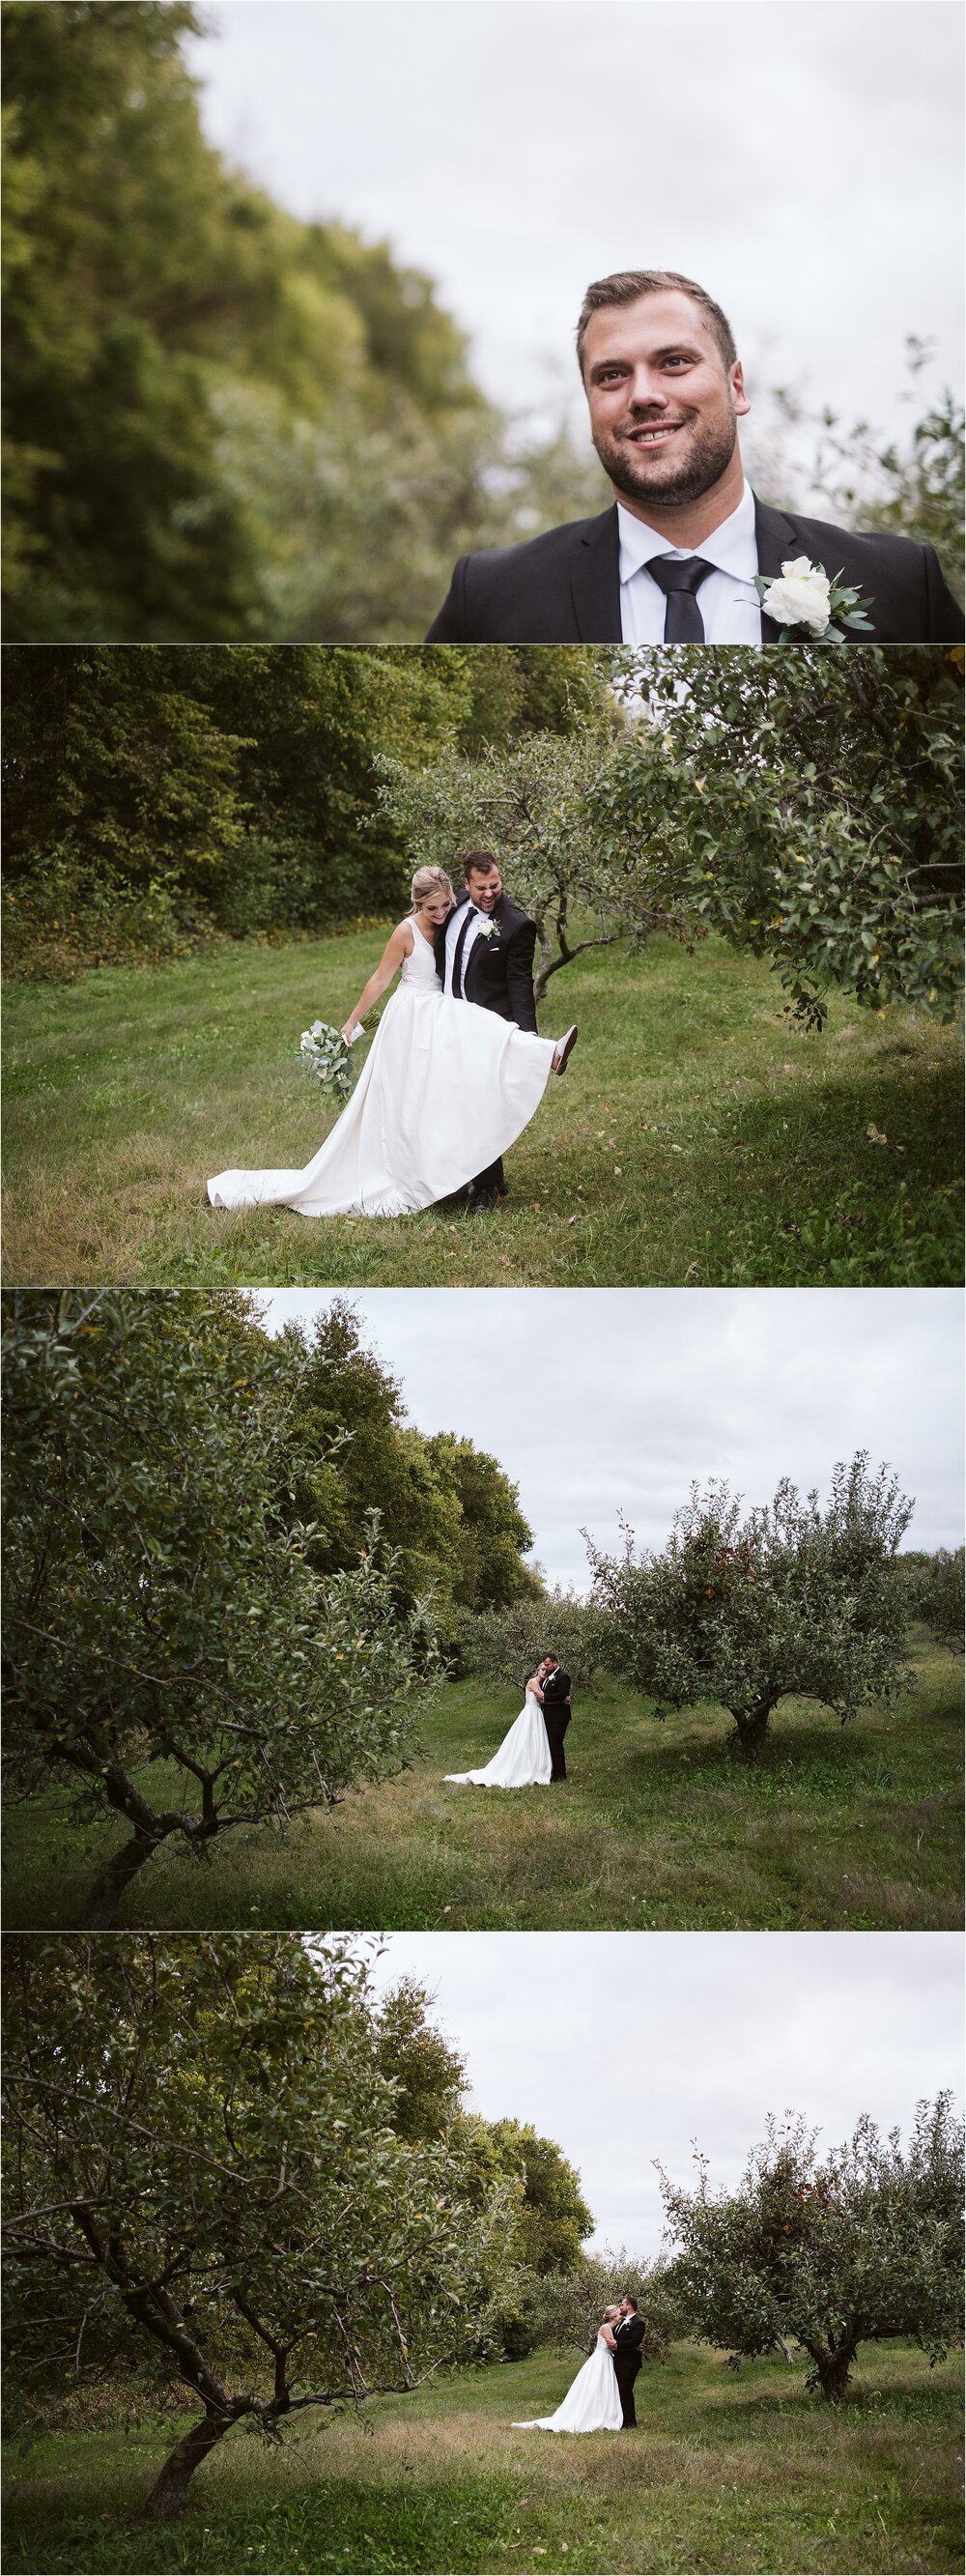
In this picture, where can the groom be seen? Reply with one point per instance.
(484, 954)
(628, 2338)
(557, 1713)
(675, 558)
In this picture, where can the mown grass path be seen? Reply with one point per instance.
(724, 2475)
(659, 1827)
(693, 1139)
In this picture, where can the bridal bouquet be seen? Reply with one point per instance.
(325, 1052)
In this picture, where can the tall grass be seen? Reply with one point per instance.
(724, 2475)
(693, 1139)
(659, 1827)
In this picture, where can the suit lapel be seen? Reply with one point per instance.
(776, 541)
(595, 584)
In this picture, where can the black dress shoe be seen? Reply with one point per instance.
(484, 1200)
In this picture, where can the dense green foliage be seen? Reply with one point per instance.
(806, 805)
(208, 402)
(938, 1595)
(566, 2308)
(532, 804)
(546, 2215)
(204, 2175)
(220, 421)
(170, 1601)
(155, 799)
(505, 1644)
(446, 1507)
(206, 2182)
(861, 2247)
(789, 1600)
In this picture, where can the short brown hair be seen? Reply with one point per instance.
(630, 283)
(482, 860)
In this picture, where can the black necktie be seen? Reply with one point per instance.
(456, 986)
(679, 580)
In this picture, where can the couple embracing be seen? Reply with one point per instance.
(531, 1756)
(601, 2398)
(455, 1071)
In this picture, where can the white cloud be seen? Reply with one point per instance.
(599, 1400)
(625, 2046)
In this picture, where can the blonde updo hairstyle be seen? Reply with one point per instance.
(427, 882)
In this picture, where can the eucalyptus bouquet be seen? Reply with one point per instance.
(325, 1052)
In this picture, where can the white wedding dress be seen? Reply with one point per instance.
(592, 2403)
(522, 1761)
(446, 1087)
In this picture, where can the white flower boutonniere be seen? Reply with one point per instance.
(804, 598)
(489, 929)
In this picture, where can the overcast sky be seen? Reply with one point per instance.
(602, 1400)
(627, 2045)
(800, 157)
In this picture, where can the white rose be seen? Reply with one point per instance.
(801, 597)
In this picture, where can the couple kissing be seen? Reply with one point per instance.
(531, 1755)
(601, 2398)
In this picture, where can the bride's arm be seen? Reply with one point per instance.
(608, 2335)
(395, 950)
(535, 1686)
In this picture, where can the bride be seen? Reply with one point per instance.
(592, 2403)
(446, 1088)
(523, 1760)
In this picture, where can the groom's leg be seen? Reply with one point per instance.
(556, 1730)
(491, 1184)
(626, 2393)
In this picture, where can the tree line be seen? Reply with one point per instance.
(157, 799)
(221, 422)
(807, 808)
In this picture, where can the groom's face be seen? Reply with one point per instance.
(485, 888)
(664, 408)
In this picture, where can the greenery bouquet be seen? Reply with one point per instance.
(326, 1053)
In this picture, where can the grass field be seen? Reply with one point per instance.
(659, 1827)
(694, 1138)
(725, 2473)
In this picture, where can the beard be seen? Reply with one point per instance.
(706, 457)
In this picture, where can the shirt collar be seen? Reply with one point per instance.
(732, 548)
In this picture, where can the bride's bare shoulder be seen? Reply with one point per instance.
(405, 934)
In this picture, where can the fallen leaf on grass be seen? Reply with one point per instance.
(875, 1134)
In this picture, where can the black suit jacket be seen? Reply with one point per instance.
(556, 1690)
(564, 587)
(498, 973)
(628, 2338)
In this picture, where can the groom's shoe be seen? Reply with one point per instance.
(484, 1200)
(565, 1048)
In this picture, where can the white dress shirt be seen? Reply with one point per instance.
(728, 601)
(453, 929)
